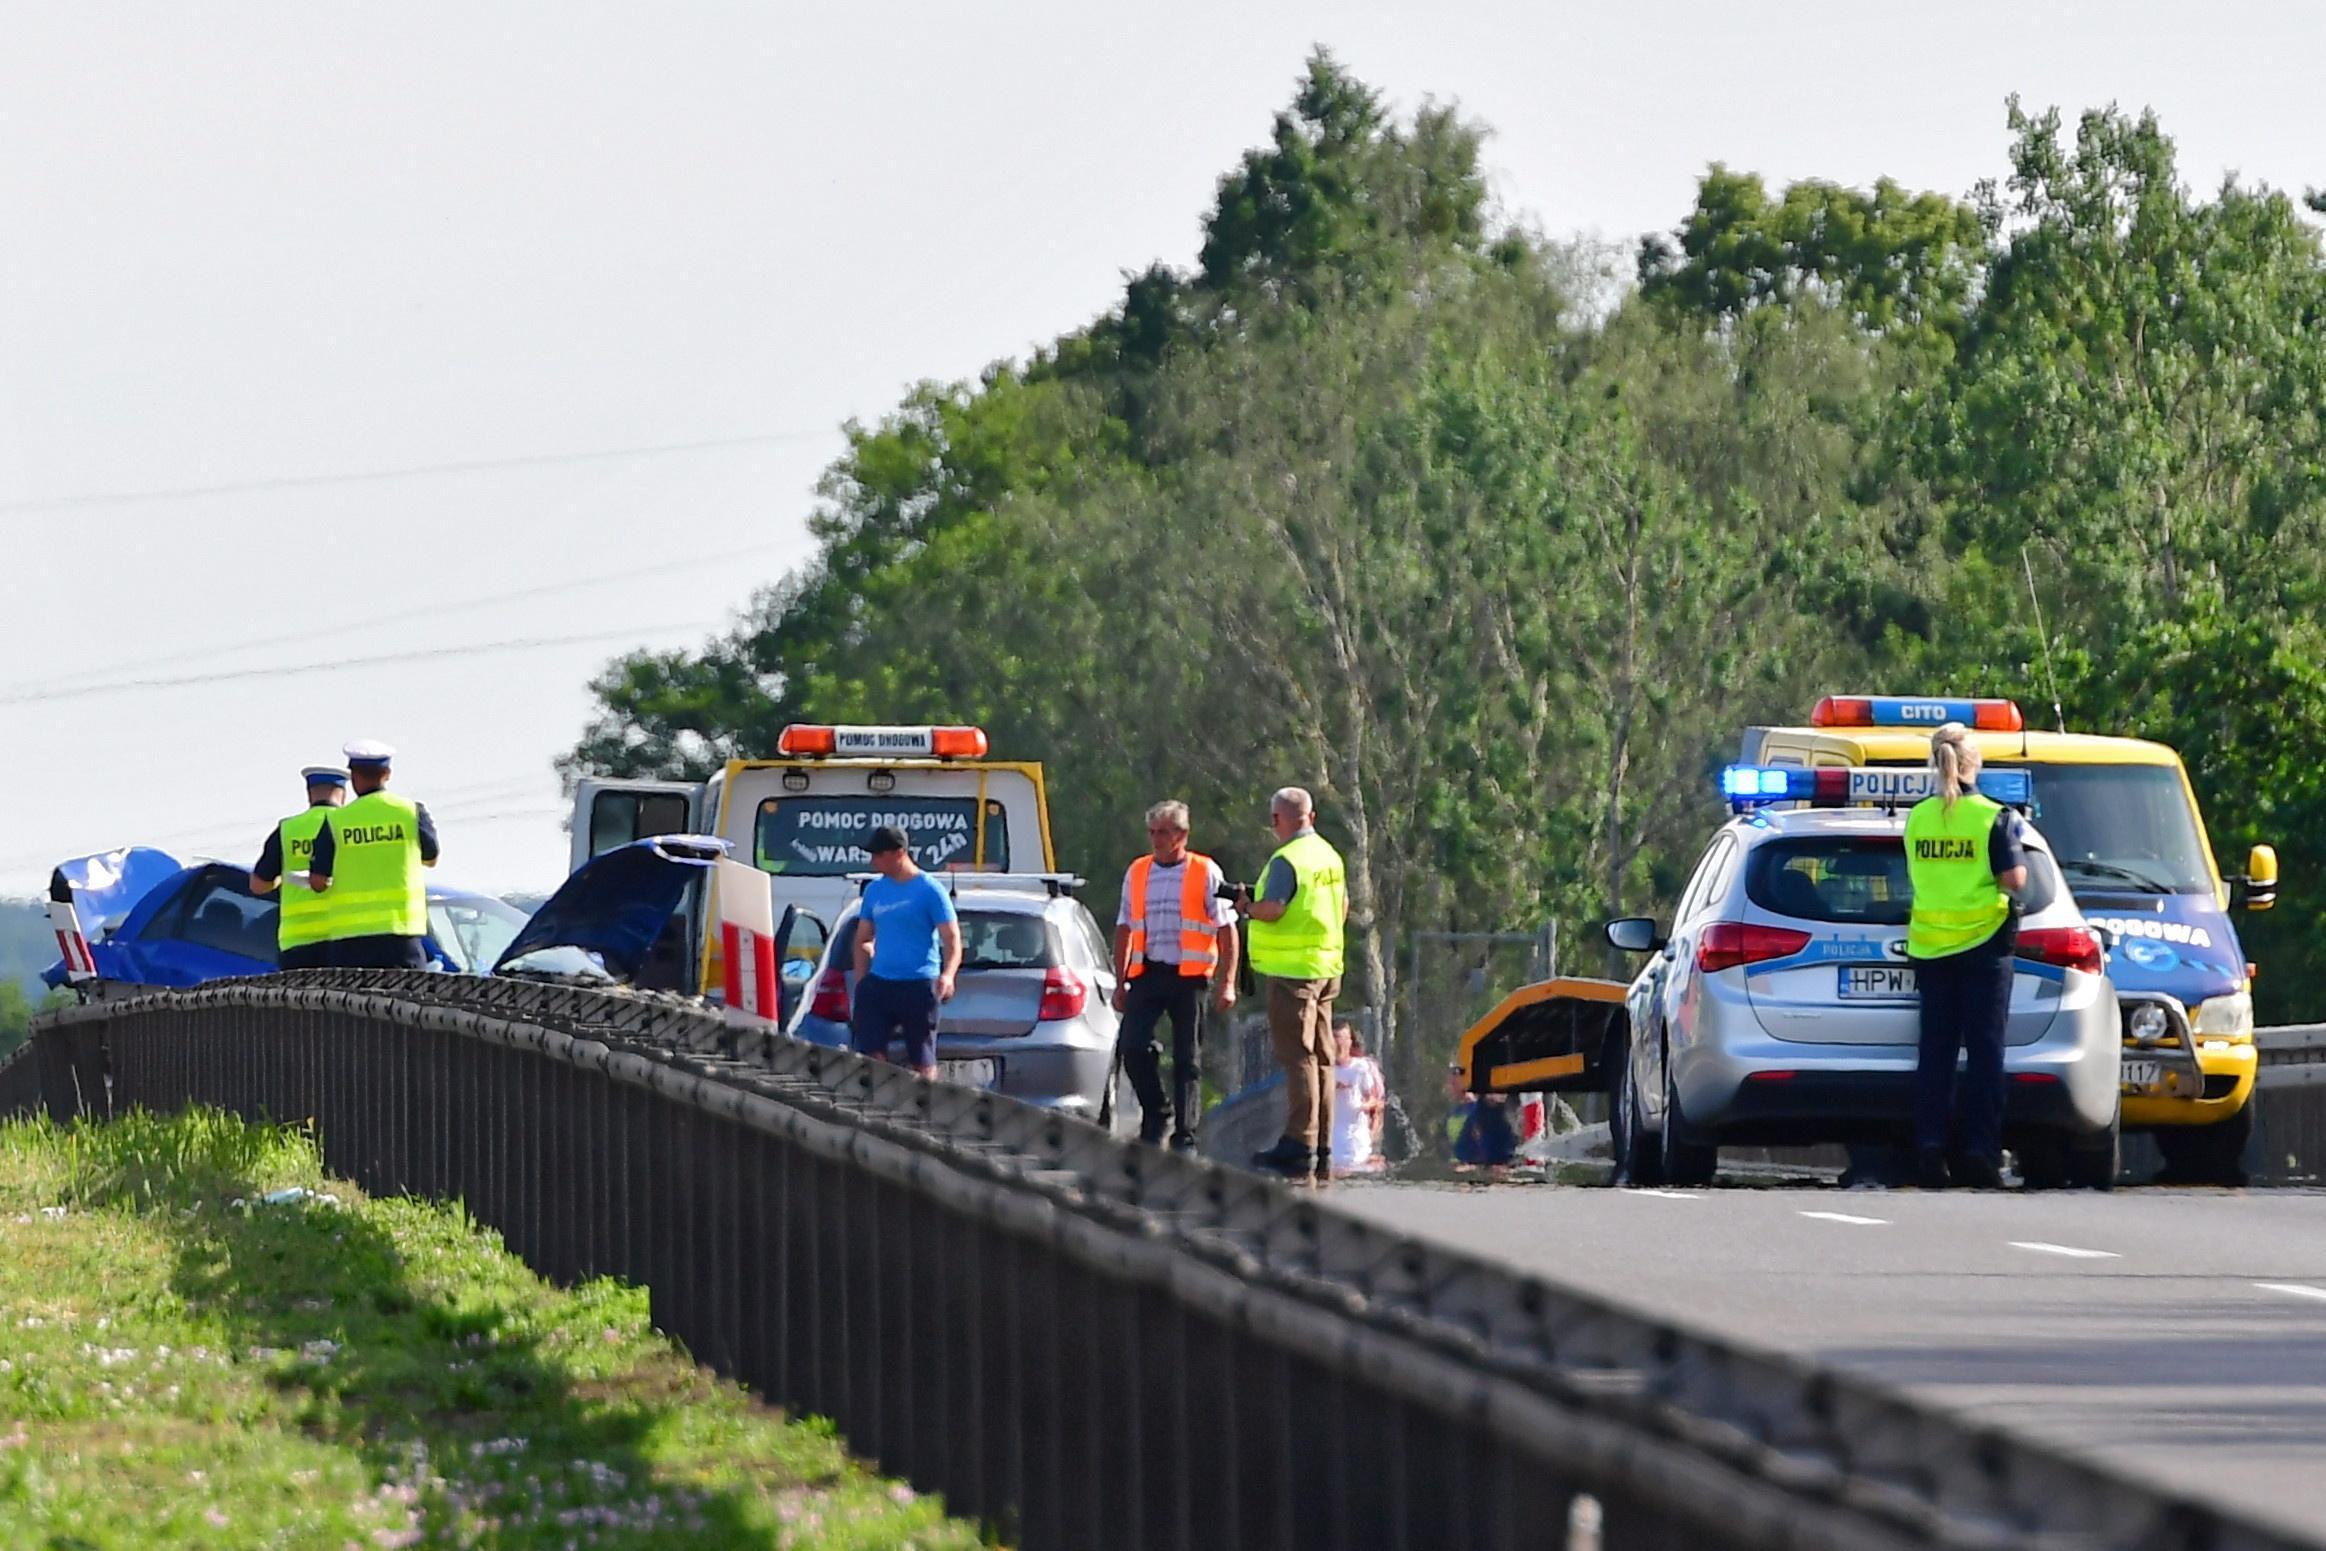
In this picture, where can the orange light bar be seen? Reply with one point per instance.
(1913, 711)
(803, 740)
(1999, 716)
(957, 742)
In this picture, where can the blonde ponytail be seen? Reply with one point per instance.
(1954, 762)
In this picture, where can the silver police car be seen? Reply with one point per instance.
(1032, 1013)
(1779, 1008)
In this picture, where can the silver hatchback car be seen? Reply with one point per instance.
(1032, 1013)
(1780, 1008)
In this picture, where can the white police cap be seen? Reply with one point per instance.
(368, 751)
(324, 775)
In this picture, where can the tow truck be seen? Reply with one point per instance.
(805, 818)
(2124, 824)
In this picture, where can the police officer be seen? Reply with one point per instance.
(1298, 926)
(1965, 859)
(368, 860)
(300, 926)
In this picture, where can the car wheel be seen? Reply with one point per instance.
(2095, 1161)
(2043, 1159)
(1639, 1159)
(2206, 1155)
(1686, 1161)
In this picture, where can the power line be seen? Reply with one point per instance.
(425, 611)
(295, 670)
(410, 471)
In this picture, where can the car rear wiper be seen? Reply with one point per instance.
(2146, 884)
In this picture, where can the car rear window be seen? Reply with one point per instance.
(823, 837)
(990, 939)
(1006, 940)
(1857, 879)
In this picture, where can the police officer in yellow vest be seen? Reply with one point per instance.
(1175, 939)
(1298, 926)
(368, 864)
(284, 859)
(1965, 860)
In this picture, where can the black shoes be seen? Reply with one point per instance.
(1182, 1142)
(1934, 1170)
(1322, 1170)
(1972, 1173)
(1289, 1158)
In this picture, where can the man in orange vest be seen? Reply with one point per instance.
(1175, 937)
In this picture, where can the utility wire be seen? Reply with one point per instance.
(340, 630)
(385, 659)
(410, 471)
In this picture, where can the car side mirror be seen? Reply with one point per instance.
(2259, 886)
(1635, 934)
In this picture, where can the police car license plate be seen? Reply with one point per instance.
(2141, 1076)
(1878, 983)
(984, 1073)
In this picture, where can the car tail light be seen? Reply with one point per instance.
(2036, 1079)
(1726, 944)
(2069, 947)
(831, 999)
(1064, 994)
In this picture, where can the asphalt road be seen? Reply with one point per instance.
(2177, 1335)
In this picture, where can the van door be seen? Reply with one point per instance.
(609, 813)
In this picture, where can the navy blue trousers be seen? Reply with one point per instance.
(1966, 1000)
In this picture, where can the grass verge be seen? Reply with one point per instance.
(186, 1362)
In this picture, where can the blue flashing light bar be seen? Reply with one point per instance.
(1749, 786)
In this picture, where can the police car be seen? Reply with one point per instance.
(1779, 1007)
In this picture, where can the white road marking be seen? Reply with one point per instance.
(2068, 1250)
(2296, 1289)
(1865, 1222)
(1667, 1195)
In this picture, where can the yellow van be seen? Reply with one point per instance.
(2124, 824)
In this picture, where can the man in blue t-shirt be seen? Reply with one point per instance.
(908, 949)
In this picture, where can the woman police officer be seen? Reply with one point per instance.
(1966, 863)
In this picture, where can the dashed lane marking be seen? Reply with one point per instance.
(2293, 1289)
(1862, 1222)
(1667, 1195)
(2069, 1250)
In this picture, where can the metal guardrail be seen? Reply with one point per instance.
(2292, 1055)
(1086, 1342)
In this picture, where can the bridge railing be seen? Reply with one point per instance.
(1086, 1342)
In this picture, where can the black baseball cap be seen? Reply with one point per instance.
(887, 838)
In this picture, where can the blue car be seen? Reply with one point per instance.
(155, 922)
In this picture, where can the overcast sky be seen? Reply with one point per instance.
(371, 331)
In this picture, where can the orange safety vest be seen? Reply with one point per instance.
(1199, 947)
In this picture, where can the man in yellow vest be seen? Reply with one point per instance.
(1298, 926)
(1967, 864)
(284, 859)
(1175, 937)
(368, 860)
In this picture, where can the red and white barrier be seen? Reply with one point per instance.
(80, 966)
(746, 909)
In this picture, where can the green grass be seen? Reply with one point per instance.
(184, 1364)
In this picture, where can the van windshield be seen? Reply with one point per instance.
(2128, 828)
(824, 837)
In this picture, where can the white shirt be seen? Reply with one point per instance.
(1356, 1084)
(1164, 886)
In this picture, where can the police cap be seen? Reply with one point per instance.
(324, 775)
(368, 753)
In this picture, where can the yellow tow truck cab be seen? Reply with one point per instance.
(806, 817)
(2124, 824)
